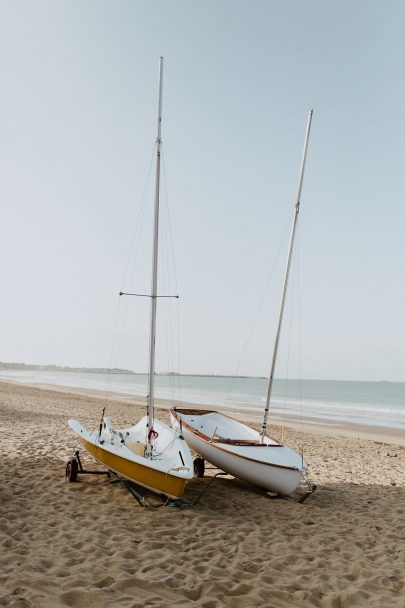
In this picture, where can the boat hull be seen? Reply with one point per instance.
(272, 478)
(156, 481)
(122, 452)
(250, 463)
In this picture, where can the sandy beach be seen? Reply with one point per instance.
(91, 544)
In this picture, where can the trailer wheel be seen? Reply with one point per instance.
(199, 467)
(71, 470)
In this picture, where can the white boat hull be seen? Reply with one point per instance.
(272, 466)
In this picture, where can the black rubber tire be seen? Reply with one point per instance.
(199, 467)
(71, 470)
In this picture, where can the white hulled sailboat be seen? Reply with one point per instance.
(235, 447)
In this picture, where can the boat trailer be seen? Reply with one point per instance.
(74, 467)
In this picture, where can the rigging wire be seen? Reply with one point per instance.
(135, 240)
(294, 297)
(169, 241)
(283, 431)
(300, 346)
(258, 310)
(166, 282)
(295, 303)
(169, 221)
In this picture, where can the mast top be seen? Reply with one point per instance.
(304, 160)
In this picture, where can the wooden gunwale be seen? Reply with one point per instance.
(207, 440)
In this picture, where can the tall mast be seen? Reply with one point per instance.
(151, 396)
(287, 272)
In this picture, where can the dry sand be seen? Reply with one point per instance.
(89, 544)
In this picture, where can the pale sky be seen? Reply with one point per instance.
(78, 111)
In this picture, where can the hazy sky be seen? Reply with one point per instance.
(78, 123)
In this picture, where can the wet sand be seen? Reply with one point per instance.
(91, 544)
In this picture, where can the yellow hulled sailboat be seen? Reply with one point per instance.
(149, 453)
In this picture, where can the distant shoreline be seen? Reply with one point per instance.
(5, 366)
(106, 370)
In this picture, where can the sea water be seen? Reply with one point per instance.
(376, 404)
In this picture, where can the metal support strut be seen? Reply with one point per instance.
(74, 467)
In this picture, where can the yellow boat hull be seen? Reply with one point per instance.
(149, 478)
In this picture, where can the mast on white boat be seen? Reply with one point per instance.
(287, 272)
(154, 296)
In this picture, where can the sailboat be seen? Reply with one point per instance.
(234, 447)
(149, 453)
